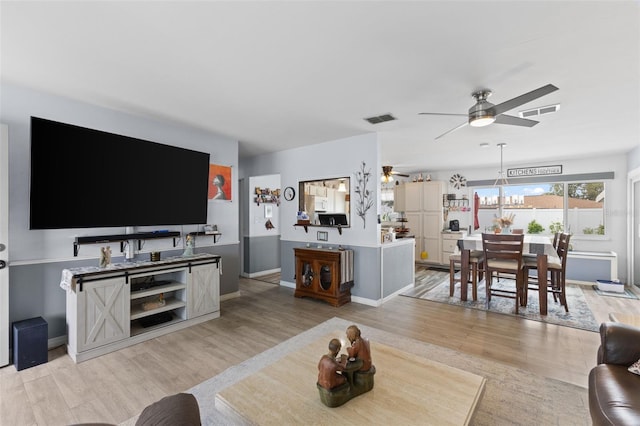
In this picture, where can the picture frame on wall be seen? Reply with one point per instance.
(219, 183)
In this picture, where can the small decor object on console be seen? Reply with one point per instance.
(158, 302)
(105, 256)
(189, 243)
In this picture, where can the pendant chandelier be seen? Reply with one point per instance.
(502, 179)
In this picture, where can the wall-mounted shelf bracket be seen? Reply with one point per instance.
(306, 227)
(123, 238)
(216, 235)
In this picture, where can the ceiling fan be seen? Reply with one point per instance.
(484, 113)
(387, 172)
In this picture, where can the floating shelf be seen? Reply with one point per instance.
(307, 226)
(216, 235)
(121, 238)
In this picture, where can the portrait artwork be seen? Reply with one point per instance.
(219, 182)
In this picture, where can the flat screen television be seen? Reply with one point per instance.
(84, 178)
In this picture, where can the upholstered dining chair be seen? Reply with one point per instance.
(476, 263)
(556, 281)
(503, 254)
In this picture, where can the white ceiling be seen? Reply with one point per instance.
(277, 75)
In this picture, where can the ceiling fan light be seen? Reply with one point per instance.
(481, 121)
(386, 178)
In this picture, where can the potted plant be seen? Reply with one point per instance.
(534, 227)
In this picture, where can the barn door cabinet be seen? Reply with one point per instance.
(324, 274)
(112, 308)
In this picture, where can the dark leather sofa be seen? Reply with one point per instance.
(614, 392)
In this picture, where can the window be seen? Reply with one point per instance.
(576, 207)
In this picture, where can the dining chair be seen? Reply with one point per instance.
(503, 254)
(556, 281)
(476, 263)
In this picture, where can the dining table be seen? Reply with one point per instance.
(540, 245)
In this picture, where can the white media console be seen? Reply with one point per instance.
(124, 304)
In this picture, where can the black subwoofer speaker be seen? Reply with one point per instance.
(30, 343)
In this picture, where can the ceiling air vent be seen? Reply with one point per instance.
(380, 118)
(539, 111)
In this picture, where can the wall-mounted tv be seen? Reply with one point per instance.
(84, 178)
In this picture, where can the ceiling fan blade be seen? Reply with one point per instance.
(399, 174)
(515, 121)
(453, 130)
(442, 113)
(523, 99)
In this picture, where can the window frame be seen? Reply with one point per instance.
(565, 180)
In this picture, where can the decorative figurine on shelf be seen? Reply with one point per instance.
(340, 379)
(189, 244)
(156, 303)
(105, 256)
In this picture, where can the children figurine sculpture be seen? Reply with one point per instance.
(105, 256)
(340, 379)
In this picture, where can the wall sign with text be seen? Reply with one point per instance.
(534, 171)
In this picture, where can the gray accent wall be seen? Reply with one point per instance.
(261, 253)
(366, 268)
(396, 275)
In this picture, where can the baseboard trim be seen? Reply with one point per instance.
(54, 342)
(261, 273)
(229, 296)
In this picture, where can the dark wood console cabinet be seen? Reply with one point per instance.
(324, 274)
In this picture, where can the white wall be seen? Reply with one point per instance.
(32, 246)
(333, 159)
(257, 219)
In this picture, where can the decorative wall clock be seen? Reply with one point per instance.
(458, 181)
(289, 193)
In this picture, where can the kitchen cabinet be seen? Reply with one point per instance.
(421, 203)
(450, 243)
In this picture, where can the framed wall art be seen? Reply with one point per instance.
(219, 182)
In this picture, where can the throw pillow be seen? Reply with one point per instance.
(635, 367)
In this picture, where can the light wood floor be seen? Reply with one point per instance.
(117, 386)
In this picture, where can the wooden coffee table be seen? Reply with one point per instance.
(408, 389)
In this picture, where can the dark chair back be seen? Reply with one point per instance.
(563, 249)
(503, 252)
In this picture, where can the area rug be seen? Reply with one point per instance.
(579, 315)
(628, 294)
(512, 395)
